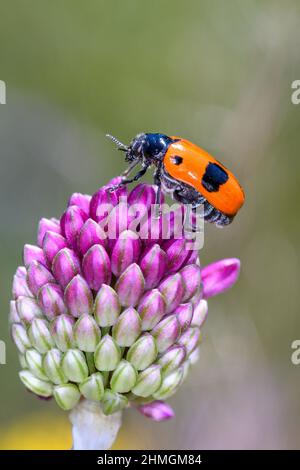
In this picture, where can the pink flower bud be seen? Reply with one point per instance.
(153, 265)
(157, 411)
(166, 332)
(200, 313)
(151, 309)
(130, 286)
(20, 286)
(46, 225)
(177, 253)
(62, 332)
(28, 309)
(220, 276)
(128, 327)
(125, 252)
(33, 253)
(50, 299)
(96, 267)
(80, 200)
(71, 223)
(65, 266)
(173, 290)
(190, 339)
(78, 297)
(37, 276)
(90, 234)
(107, 306)
(191, 277)
(52, 244)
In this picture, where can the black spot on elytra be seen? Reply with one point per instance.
(213, 177)
(177, 160)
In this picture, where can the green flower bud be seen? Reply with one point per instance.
(123, 378)
(92, 388)
(128, 327)
(34, 362)
(172, 359)
(52, 366)
(107, 355)
(113, 401)
(74, 366)
(143, 352)
(20, 337)
(107, 306)
(40, 336)
(35, 385)
(22, 360)
(66, 396)
(149, 380)
(87, 333)
(169, 385)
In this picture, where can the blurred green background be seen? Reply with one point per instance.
(218, 73)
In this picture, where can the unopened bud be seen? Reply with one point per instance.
(92, 388)
(35, 385)
(74, 366)
(149, 380)
(107, 354)
(143, 352)
(66, 396)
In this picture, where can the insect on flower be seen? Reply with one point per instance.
(188, 172)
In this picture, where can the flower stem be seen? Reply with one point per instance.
(91, 428)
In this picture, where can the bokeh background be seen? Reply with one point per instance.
(218, 73)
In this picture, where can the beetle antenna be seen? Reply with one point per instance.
(119, 144)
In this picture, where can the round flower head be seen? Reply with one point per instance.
(115, 317)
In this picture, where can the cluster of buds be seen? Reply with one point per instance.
(115, 321)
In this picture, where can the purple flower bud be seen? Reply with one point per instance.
(96, 267)
(125, 252)
(13, 313)
(35, 385)
(87, 333)
(107, 306)
(50, 299)
(78, 297)
(74, 365)
(184, 314)
(37, 276)
(200, 313)
(40, 336)
(20, 286)
(166, 332)
(123, 378)
(102, 198)
(80, 200)
(151, 309)
(172, 359)
(130, 286)
(191, 277)
(67, 396)
(107, 355)
(28, 309)
(90, 234)
(52, 244)
(173, 290)
(169, 385)
(20, 337)
(113, 402)
(190, 339)
(62, 332)
(177, 253)
(142, 194)
(149, 380)
(33, 253)
(143, 352)
(65, 266)
(128, 327)
(71, 223)
(157, 411)
(220, 276)
(46, 225)
(153, 265)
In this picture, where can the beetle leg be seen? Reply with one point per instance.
(128, 181)
(130, 168)
(157, 182)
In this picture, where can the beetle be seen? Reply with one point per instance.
(188, 172)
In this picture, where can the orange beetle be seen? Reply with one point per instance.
(191, 174)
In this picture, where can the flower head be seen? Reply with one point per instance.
(114, 319)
